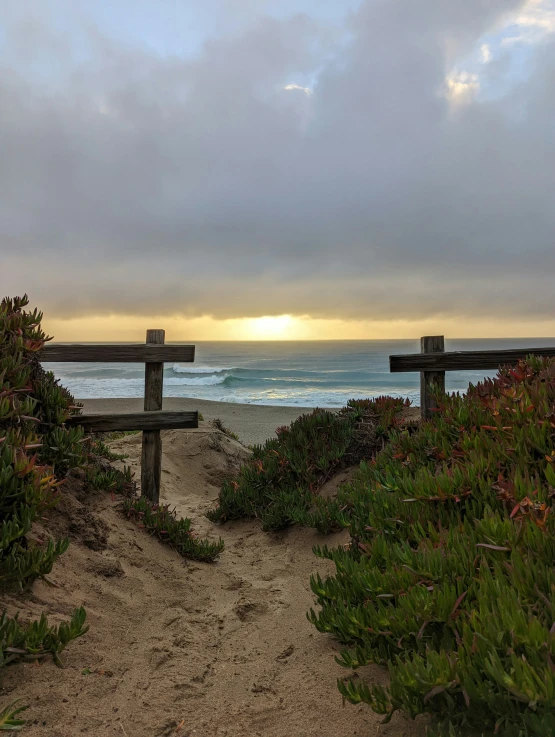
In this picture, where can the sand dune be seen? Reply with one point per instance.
(252, 423)
(182, 648)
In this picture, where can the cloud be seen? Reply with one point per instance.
(306, 90)
(485, 52)
(137, 182)
(461, 85)
(535, 21)
(538, 14)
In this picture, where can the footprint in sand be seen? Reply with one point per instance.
(247, 611)
(107, 567)
(237, 583)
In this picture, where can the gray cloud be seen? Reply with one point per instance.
(136, 182)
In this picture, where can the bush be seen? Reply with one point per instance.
(219, 425)
(161, 521)
(279, 483)
(36, 450)
(449, 576)
(37, 639)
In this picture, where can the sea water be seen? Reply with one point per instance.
(309, 374)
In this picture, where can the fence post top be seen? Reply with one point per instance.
(155, 336)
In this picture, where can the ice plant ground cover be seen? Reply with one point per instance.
(280, 483)
(36, 450)
(449, 578)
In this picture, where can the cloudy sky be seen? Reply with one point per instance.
(279, 168)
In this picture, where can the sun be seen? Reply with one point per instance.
(279, 327)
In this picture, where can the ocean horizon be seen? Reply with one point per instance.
(282, 373)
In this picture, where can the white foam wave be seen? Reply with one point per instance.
(198, 381)
(178, 369)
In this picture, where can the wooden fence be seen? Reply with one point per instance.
(433, 362)
(154, 353)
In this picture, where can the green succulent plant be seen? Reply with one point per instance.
(163, 522)
(36, 451)
(279, 484)
(449, 576)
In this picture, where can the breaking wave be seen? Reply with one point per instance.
(212, 380)
(324, 374)
(177, 368)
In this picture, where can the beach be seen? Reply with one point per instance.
(250, 422)
(180, 647)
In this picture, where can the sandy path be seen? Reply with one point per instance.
(182, 648)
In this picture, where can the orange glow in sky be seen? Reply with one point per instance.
(286, 327)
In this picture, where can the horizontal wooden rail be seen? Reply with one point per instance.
(117, 353)
(463, 360)
(154, 353)
(161, 420)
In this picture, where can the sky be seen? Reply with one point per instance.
(250, 169)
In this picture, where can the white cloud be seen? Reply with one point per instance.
(534, 22)
(538, 14)
(306, 90)
(462, 85)
(485, 53)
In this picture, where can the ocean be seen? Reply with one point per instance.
(309, 374)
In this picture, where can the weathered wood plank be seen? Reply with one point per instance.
(462, 360)
(163, 420)
(117, 353)
(154, 374)
(430, 381)
(151, 460)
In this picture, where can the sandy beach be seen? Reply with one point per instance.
(178, 648)
(252, 423)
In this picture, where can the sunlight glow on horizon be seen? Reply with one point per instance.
(270, 328)
(132, 328)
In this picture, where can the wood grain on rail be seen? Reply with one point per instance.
(117, 353)
(463, 360)
(108, 422)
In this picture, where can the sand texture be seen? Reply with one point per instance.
(182, 648)
(252, 423)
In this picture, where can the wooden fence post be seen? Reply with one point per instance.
(430, 380)
(151, 461)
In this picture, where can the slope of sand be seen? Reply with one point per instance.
(252, 423)
(182, 648)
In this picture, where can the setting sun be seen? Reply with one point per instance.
(269, 328)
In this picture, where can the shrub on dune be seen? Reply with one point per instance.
(449, 577)
(280, 483)
(36, 450)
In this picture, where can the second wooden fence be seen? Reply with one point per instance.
(433, 361)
